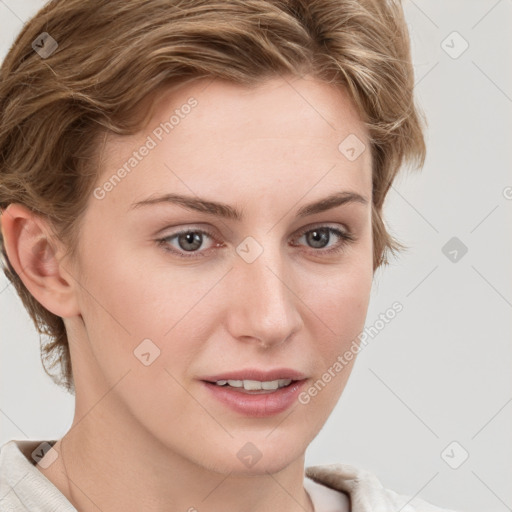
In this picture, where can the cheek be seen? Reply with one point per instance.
(340, 307)
(127, 301)
(136, 320)
(343, 317)
(341, 297)
(135, 295)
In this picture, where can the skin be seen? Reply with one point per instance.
(145, 437)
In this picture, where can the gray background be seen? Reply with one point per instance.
(440, 371)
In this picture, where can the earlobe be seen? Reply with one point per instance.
(36, 256)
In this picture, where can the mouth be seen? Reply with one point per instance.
(253, 387)
(256, 393)
(255, 381)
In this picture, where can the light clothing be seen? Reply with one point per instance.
(332, 488)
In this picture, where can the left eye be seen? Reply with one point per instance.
(190, 240)
(322, 234)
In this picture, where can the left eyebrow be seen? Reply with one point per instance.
(224, 210)
(331, 201)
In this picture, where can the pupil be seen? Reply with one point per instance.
(319, 234)
(190, 238)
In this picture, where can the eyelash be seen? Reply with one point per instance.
(345, 237)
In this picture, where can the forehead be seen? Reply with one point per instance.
(225, 108)
(222, 137)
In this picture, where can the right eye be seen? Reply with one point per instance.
(189, 241)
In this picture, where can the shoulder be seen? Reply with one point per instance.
(366, 492)
(22, 485)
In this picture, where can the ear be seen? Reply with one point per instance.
(36, 256)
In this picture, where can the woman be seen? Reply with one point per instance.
(191, 199)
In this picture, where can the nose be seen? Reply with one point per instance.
(263, 302)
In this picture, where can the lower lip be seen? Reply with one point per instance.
(257, 405)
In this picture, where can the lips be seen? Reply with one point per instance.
(257, 404)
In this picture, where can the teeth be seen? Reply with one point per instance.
(254, 385)
(269, 384)
(251, 385)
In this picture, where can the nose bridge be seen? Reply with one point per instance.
(265, 306)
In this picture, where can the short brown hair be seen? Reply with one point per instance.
(113, 55)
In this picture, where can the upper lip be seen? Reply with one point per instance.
(255, 374)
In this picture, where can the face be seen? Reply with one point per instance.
(174, 293)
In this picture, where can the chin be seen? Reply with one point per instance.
(272, 457)
(246, 459)
(264, 466)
